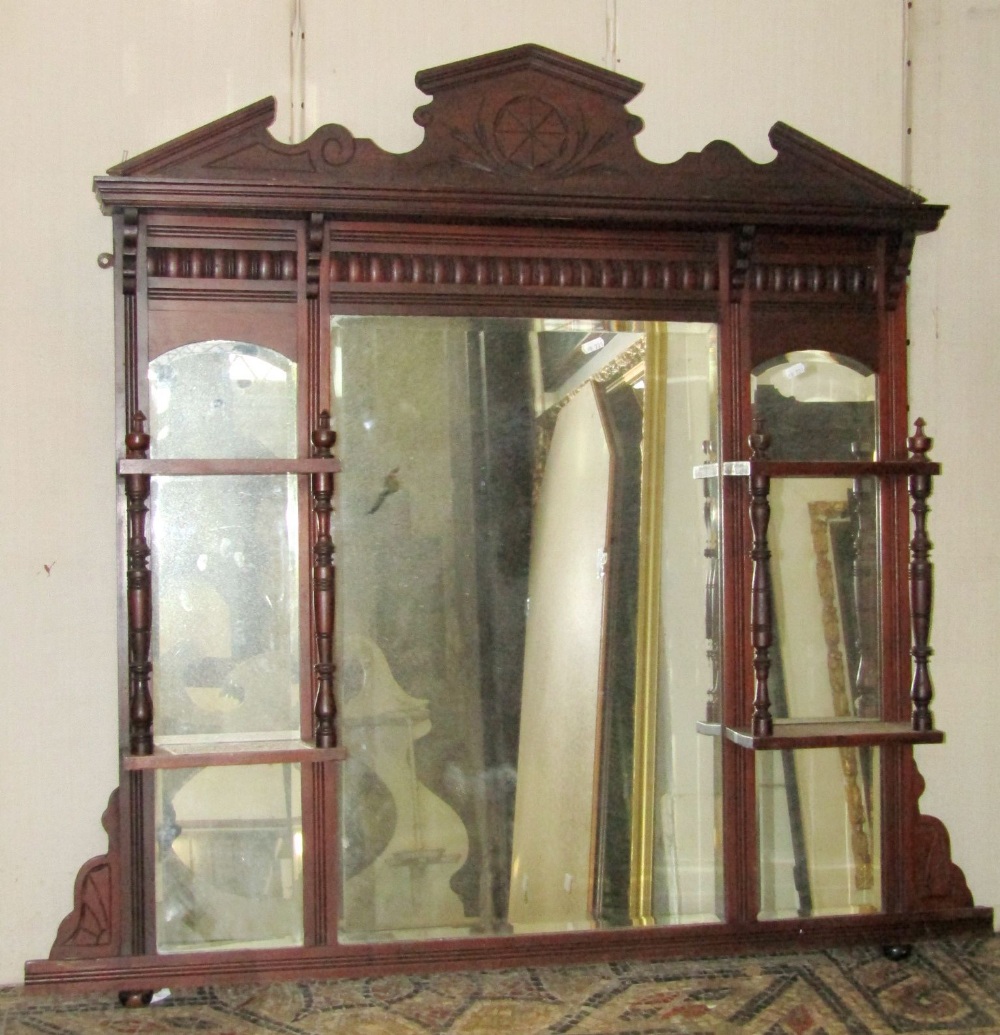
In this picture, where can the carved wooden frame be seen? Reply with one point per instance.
(527, 194)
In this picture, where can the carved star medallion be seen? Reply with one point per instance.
(530, 132)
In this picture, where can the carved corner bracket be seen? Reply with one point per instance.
(937, 883)
(93, 929)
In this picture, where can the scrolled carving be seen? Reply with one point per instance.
(937, 882)
(336, 145)
(92, 929)
(529, 134)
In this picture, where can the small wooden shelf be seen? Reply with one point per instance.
(840, 468)
(194, 755)
(791, 733)
(817, 468)
(223, 466)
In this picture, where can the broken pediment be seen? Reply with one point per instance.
(531, 126)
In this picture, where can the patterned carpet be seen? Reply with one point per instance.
(944, 987)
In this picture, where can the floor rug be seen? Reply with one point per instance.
(948, 986)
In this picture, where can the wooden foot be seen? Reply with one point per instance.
(132, 1000)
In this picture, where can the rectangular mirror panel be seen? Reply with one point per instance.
(825, 659)
(686, 860)
(818, 815)
(228, 857)
(225, 646)
(517, 526)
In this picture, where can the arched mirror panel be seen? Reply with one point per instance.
(825, 556)
(225, 570)
(216, 398)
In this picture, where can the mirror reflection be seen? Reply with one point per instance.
(522, 563)
(823, 537)
(225, 645)
(816, 406)
(818, 819)
(228, 857)
(222, 399)
(819, 828)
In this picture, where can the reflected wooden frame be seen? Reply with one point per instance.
(823, 514)
(644, 360)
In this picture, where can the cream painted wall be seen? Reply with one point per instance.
(955, 376)
(84, 83)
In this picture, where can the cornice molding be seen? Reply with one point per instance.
(523, 133)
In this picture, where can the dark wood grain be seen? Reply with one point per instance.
(921, 581)
(325, 709)
(139, 594)
(226, 233)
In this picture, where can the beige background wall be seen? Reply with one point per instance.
(85, 83)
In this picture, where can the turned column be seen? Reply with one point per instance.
(324, 706)
(761, 618)
(921, 584)
(138, 593)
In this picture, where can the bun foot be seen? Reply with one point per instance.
(131, 1000)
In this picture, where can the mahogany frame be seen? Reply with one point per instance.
(563, 216)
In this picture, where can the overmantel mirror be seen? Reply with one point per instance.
(517, 554)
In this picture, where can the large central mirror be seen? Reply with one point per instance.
(524, 654)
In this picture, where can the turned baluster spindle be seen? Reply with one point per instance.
(139, 594)
(324, 708)
(761, 619)
(921, 584)
(712, 709)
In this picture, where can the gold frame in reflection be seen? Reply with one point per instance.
(654, 424)
(822, 513)
(646, 361)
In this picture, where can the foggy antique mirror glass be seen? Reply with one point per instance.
(818, 810)
(228, 859)
(823, 536)
(528, 631)
(225, 635)
(519, 604)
